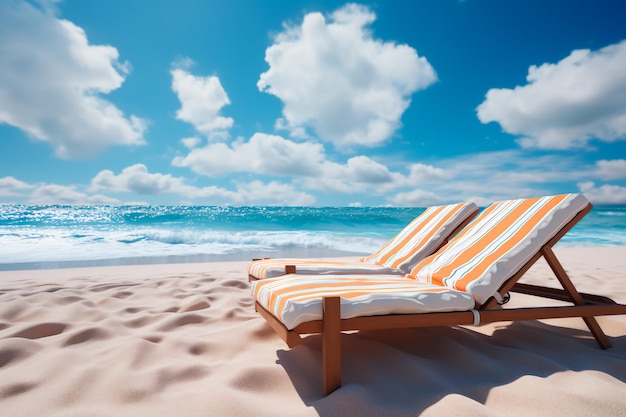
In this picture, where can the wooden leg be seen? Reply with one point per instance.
(331, 344)
(569, 288)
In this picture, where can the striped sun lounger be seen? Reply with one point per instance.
(420, 238)
(461, 284)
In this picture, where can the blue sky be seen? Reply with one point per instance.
(404, 103)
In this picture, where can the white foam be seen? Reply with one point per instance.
(48, 245)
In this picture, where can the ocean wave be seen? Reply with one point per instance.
(61, 245)
(68, 233)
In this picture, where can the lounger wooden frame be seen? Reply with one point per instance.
(291, 269)
(586, 306)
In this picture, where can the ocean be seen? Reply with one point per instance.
(56, 236)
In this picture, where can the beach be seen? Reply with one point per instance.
(184, 340)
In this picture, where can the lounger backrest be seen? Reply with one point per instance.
(497, 243)
(422, 237)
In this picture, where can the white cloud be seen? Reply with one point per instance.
(137, 179)
(604, 194)
(191, 142)
(490, 176)
(274, 193)
(567, 104)
(52, 79)
(421, 173)
(201, 99)
(358, 174)
(262, 154)
(305, 162)
(611, 170)
(335, 78)
(9, 186)
(417, 198)
(63, 194)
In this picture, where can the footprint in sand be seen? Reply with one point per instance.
(182, 320)
(9, 355)
(16, 389)
(194, 304)
(123, 294)
(15, 350)
(235, 283)
(41, 330)
(199, 348)
(153, 338)
(86, 336)
(69, 300)
(139, 321)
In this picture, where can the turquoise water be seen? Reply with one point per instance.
(48, 236)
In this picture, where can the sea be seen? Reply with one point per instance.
(57, 236)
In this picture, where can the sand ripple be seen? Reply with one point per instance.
(184, 340)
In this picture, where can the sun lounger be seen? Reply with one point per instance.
(462, 284)
(419, 239)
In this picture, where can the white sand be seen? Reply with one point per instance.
(184, 340)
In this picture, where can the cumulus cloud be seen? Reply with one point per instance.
(359, 173)
(604, 194)
(137, 179)
(305, 162)
(10, 186)
(490, 176)
(274, 193)
(336, 79)
(64, 194)
(191, 142)
(422, 173)
(567, 104)
(417, 198)
(49, 193)
(262, 154)
(52, 81)
(201, 99)
(611, 169)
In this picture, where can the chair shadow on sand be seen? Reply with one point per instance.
(406, 371)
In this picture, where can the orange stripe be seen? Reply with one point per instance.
(347, 294)
(407, 239)
(529, 225)
(478, 246)
(433, 231)
(360, 293)
(302, 286)
(486, 212)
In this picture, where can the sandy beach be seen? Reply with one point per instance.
(184, 340)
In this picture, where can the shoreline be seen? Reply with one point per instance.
(244, 256)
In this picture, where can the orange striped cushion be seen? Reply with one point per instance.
(495, 245)
(422, 236)
(419, 239)
(296, 299)
(269, 268)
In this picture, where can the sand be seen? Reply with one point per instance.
(184, 340)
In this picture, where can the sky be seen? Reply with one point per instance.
(313, 102)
